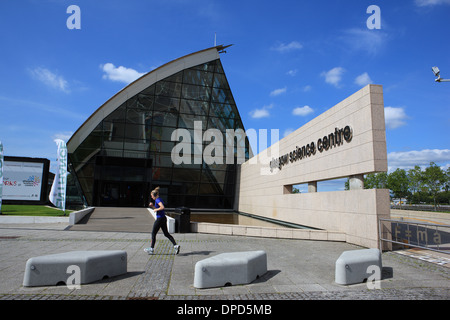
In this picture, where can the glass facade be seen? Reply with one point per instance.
(129, 152)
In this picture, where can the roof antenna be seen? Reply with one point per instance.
(215, 38)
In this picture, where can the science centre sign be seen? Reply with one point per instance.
(334, 139)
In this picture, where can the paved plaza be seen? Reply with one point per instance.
(297, 269)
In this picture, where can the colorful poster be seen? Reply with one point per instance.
(58, 191)
(22, 180)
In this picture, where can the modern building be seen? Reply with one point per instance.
(178, 127)
(126, 147)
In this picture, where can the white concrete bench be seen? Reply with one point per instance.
(230, 269)
(352, 266)
(93, 266)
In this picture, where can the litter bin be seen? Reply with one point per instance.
(183, 220)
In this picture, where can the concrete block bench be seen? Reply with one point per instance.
(351, 266)
(93, 266)
(230, 269)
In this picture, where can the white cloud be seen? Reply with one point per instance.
(425, 3)
(333, 76)
(261, 113)
(307, 88)
(62, 135)
(292, 72)
(283, 47)
(409, 159)
(277, 92)
(302, 111)
(50, 79)
(370, 41)
(120, 74)
(363, 79)
(394, 117)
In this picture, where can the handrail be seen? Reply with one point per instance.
(416, 237)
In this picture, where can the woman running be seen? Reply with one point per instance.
(160, 223)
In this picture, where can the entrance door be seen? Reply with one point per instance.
(122, 182)
(122, 194)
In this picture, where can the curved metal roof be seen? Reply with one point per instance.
(137, 86)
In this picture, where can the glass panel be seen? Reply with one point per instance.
(221, 123)
(162, 146)
(222, 96)
(167, 104)
(210, 189)
(98, 131)
(150, 91)
(113, 131)
(187, 121)
(185, 188)
(136, 145)
(139, 117)
(194, 107)
(223, 110)
(88, 196)
(161, 176)
(198, 77)
(83, 155)
(219, 68)
(135, 132)
(110, 152)
(92, 142)
(166, 119)
(209, 66)
(193, 92)
(214, 176)
(134, 154)
(181, 174)
(168, 89)
(177, 200)
(118, 115)
(160, 160)
(215, 166)
(177, 77)
(220, 81)
(133, 174)
(144, 102)
(111, 173)
(162, 133)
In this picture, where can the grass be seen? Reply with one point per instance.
(32, 210)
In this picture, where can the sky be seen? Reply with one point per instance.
(290, 61)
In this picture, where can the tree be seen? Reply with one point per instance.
(447, 182)
(415, 179)
(398, 183)
(376, 180)
(434, 179)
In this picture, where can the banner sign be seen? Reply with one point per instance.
(58, 191)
